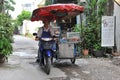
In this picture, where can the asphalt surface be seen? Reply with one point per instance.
(21, 65)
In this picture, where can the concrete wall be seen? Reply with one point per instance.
(30, 27)
(117, 14)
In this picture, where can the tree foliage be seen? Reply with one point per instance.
(91, 31)
(48, 2)
(6, 34)
(94, 13)
(25, 15)
(6, 27)
(6, 5)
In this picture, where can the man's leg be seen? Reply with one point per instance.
(38, 56)
(41, 58)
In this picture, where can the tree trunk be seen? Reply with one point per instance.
(110, 8)
(2, 58)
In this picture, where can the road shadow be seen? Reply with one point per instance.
(64, 64)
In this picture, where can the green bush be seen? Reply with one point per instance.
(6, 34)
(91, 32)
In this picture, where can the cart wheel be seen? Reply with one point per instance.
(73, 60)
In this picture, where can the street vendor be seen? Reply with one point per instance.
(45, 32)
(46, 29)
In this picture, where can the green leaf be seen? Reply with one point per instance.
(6, 32)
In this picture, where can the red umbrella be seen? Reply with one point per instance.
(55, 11)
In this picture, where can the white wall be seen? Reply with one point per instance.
(30, 27)
(117, 14)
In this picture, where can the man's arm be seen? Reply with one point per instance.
(39, 32)
(52, 31)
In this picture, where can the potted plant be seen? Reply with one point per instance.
(86, 40)
(98, 51)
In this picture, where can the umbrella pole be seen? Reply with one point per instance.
(81, 24)
(58, 25)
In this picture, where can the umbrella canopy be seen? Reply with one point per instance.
(56, 11)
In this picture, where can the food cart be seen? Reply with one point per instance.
(66, 47)
(67, 44)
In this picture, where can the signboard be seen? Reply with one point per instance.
(56, 30)
(73, 37)
(107, 31)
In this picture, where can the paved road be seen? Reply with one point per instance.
(21, 66)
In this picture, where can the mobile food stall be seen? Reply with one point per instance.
(66, 48)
